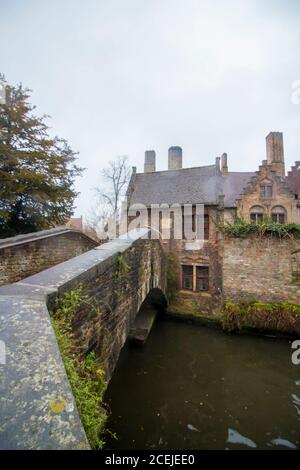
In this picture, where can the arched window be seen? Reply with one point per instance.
(266, 189)
(295, 260)
(257, 214)
(278, 214)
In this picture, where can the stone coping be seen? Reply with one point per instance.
(42, 234)
(38, 410)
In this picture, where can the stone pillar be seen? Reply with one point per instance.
(175, 158)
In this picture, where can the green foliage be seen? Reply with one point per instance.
(37, 172)
(122, 266)
(241, 228)
(172, 269)
(284, 317)
(87, 379)
(69, 304)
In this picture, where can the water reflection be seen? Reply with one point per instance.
(283, 443)
(235, 437)
(196, 388)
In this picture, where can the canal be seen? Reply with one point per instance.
(192, 387)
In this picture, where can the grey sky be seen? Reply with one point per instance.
(122, 76)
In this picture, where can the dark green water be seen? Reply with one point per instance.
(192, 387)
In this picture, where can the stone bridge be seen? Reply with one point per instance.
(117, 276)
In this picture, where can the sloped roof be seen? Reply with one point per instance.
(184, 186)
(200, 185)
(233, 184)
(293, 178)
(30, 237)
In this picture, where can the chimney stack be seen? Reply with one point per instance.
(150, 163)
(275, 152)
(175, 158)
(224, 166)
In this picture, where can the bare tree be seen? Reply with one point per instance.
(115, 179)
(97, 215)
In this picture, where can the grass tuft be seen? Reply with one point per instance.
(283, 317)
(86, 377)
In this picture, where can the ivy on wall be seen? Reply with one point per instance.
(241, 229)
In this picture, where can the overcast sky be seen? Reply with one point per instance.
(122, 76)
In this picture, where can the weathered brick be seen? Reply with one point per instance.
(259, 268)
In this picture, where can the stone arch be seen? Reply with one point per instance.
(256, 213)
(154, 303)
(157, 298)
(266, 181)
(279, 214)
(295, 265)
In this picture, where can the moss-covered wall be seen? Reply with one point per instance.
(112, 298)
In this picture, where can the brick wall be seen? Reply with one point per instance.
(260, 269)
(114, 296)
(191, 253)
(18, 261)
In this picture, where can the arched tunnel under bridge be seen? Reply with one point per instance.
(154, 304)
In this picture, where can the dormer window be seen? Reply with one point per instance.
(266, 190)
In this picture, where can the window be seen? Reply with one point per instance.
(296, 265)
(206, 227)
(202, 278)
(266, 190)
(195, 278)
(256, 214)
(200, 225)
(256, 217)
(187, 277)
(279, 215)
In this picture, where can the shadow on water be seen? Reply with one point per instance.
(192, 387)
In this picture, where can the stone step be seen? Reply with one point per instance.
(142, 325)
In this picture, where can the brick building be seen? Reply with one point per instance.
(24, 255)
(267, 193)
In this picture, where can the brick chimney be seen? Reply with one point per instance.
(275, 152)
(150, 161)
(175, 158)
(224, 166)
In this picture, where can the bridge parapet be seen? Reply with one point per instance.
(117, 276)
